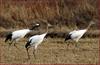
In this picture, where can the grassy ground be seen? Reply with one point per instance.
(53, 51)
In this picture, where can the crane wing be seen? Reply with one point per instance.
(20, 33)
(78, 34)
(35, 39)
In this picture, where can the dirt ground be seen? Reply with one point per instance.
(52, 51)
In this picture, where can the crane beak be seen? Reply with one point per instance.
(35, 26)
(49, 25)
(92, 22)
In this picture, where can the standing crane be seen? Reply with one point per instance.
(34, 41)
(17, 35)
(77, 34)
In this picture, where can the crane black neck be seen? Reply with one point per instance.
(89, 25)
(33, 27)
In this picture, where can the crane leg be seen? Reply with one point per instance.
(16, 46)
(34, 52)
(27, 52)
(11, 42)
(77, 45)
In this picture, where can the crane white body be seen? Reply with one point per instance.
(34, 41)
(16, 35)
(77, 34)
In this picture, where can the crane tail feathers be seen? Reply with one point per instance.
(8, 37)
(68, 37)
(27, 44)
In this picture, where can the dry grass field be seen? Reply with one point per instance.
(64, 16)
(53, 51)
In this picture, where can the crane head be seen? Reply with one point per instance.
(35, 26)
(92, 22)
(49, 25)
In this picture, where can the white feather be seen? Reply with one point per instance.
(76, 35)
(19, 33)
(37, 39)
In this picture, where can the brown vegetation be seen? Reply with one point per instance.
(65, 16)
(22, 13)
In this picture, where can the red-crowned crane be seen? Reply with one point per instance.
(34, 41)
(77, 34)
(17, 35)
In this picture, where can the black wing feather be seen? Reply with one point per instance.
(8, 37)
(68, 37)
(28, 43)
